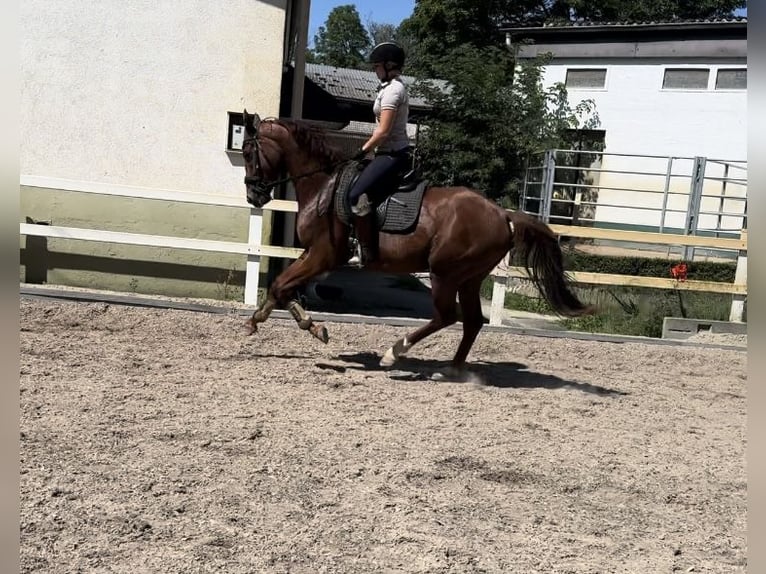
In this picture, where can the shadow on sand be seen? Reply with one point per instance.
(501, 375)
(375, 294)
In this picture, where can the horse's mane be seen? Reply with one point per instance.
(313, 139)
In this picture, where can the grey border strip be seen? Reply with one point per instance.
(35, 292)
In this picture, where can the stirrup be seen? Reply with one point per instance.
(361, 257)
(357, 259)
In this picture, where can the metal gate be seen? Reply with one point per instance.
(688, 195)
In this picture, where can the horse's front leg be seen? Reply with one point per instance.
(260, 315)
(308, 265)
(264, 309)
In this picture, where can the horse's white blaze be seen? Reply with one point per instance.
(400, 348)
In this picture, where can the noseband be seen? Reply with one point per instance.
(254, 179)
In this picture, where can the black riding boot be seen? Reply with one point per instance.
(366, 236)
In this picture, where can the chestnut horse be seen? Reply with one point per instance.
(459, 238)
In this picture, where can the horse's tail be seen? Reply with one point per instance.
(537, 248)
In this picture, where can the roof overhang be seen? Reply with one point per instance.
(717, 40)
(737, 26)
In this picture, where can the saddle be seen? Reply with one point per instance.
(398, 213)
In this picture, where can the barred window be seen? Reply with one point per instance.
(685, 79)
(733, 79)
(586, 78)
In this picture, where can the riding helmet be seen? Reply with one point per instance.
(387, 52)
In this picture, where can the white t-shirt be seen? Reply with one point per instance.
(393, 96)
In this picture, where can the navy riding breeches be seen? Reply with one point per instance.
(378, 179)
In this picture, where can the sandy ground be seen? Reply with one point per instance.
(165, 441)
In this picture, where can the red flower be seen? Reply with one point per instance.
(678, 272)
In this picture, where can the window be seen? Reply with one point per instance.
(685, 79)
(734, 79)
(236, 132)
(586, 78)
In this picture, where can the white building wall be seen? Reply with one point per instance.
(137, 93)
(641, 118)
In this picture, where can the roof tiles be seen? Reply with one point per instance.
(351, 84)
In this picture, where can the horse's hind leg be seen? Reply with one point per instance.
(443, 292)
(473, 319)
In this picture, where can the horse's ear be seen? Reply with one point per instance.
(247, 119)
(251, 122)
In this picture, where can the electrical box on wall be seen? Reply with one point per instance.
(236, 132)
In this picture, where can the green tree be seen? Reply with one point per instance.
(381, 32)
(342, 41)
(311, 57)
(385, 32)
(438, 27)
(492, 116)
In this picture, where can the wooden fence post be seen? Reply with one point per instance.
(253, 265)
(499, 284)
(740, 278)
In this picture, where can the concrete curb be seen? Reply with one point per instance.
(39, 292)
(682, 328)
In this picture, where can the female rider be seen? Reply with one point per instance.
(390, 145)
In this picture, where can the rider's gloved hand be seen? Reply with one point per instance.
(360, 155)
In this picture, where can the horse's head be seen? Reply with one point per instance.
(262, 163)
(271, 146)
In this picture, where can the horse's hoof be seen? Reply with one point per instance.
(251, 326)
(320, 332)
(450, 374)
(399, 349)
(388, 360)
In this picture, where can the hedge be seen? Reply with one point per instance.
(722, 272)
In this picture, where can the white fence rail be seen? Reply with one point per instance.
(254, 249)
(738, 289)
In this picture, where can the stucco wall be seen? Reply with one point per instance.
(136, 93)
(129, 268)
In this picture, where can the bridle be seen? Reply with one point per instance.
(259, 191)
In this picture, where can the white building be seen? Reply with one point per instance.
(139, 97)
(661, 89)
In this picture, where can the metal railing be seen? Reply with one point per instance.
(691, 195)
